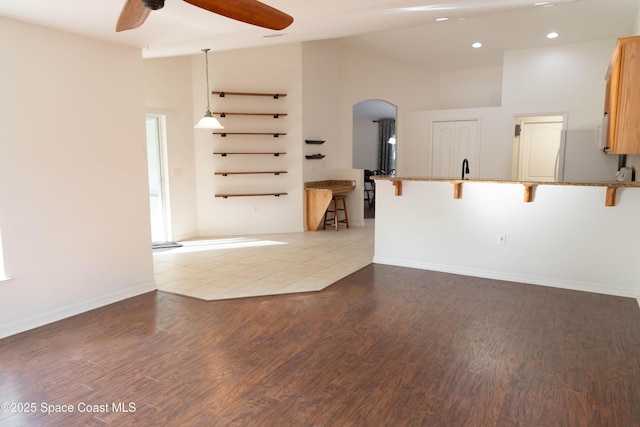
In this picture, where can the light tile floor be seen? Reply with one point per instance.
(244, 266)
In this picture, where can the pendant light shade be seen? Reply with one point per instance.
(208, 121)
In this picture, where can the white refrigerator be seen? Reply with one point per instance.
(580, 159)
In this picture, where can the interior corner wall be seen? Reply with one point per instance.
(73, 184)
(168, 91)
(275, 69)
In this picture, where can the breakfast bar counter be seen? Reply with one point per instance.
(319, 195)
(528, 186)
(580, 235)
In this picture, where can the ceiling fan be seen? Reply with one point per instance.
(135, 12)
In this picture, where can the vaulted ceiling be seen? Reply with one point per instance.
(402, 30)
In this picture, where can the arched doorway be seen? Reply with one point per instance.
(374, 144)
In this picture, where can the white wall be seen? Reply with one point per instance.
(321, 118)
(271, 70)
(365, 144)
(566, 237)
(168, 88)
(73, 178)
(564, 78)
(367, 77)
(474, 88)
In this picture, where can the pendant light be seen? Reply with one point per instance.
(208, 121)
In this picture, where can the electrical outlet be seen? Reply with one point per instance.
(502, 239)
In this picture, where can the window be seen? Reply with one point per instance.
(156, 160)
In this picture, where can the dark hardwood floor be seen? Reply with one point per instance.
(386, 346)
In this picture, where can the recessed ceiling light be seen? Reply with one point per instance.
(271, 36)
(442, 19)
(476, 45)
(552, 35)
(541, 3)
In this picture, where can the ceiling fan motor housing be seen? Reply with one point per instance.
(153, 4)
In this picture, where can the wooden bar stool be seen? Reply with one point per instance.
(334, 220)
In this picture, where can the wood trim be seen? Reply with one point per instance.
(610, 198)
(457, 190)
(528, 193)
(398, 186)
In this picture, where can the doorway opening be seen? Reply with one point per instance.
(536, 147)
(374, 145)
(158, 195)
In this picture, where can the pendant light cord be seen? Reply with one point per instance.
(206, 61)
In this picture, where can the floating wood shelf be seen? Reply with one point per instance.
(274, 115)
(251, 173)
(224, 134)
(222, 94)
(224, 196)
(226, 153)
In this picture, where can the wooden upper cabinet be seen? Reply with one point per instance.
(622, 99)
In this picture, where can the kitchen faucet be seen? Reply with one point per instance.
(465, 167)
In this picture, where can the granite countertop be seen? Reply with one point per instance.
(330, 184)
(504, 181)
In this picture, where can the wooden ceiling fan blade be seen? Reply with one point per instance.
(133, 15)
(249, 11)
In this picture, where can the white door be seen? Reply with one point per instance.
(539, 145)
(452, 142)
(157, 201)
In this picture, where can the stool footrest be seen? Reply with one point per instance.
(334, 219)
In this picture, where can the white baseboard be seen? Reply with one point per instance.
(598, 288)
(54, 315)
(182, 237)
